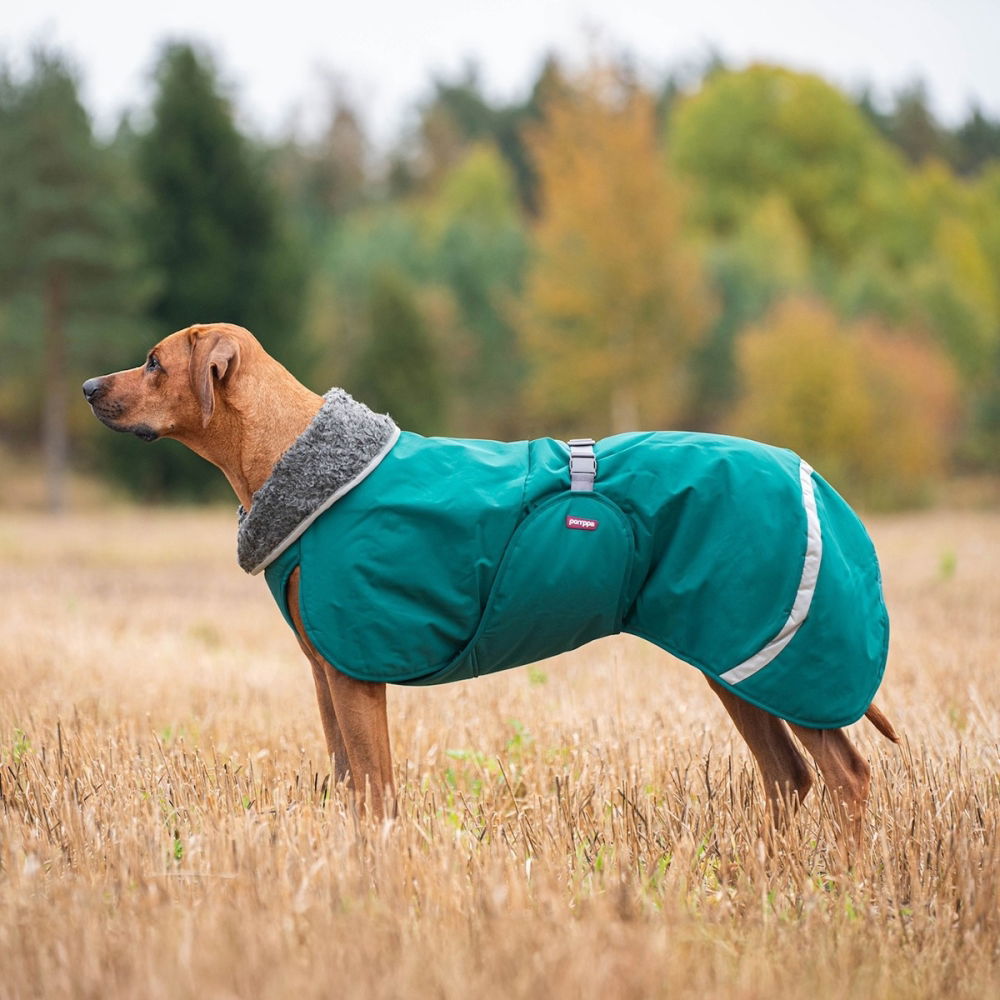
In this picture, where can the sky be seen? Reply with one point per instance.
(277, 57)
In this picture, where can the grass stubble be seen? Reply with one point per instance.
(587, 827)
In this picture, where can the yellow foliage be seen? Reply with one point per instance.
(870, 409)
(963, 259)
(616, 301)
(772, 237)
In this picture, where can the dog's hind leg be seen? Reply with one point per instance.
(846, 774)
(783, 769)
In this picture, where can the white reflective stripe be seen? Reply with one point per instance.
(804, 596)
(301, 527)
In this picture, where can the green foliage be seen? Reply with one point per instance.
(399, 369)
(913, 128)
(459, 116)
(20, 746)
(518, 266)
(977, 143)
(947, 565)
(372, 240)
(67, 266)
(749, 135)
(325, 179)
(215, 236)
(479, 252)
(465, 247)
(57, 216)
(212, 223)
(767, 257)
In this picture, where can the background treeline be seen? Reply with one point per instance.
(747, 251)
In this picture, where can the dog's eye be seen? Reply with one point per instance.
(152, 364)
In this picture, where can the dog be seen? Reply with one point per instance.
(216, 390)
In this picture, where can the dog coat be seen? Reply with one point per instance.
(426, 560)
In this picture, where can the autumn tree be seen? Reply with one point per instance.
(870, 408)
(617, 299)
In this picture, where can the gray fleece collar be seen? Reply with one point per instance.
(344, 443)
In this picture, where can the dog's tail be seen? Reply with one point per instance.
(881, 723)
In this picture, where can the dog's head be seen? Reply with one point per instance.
(173, 393)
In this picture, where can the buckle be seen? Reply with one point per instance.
(582, 465)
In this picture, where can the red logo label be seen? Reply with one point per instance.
(581, 523)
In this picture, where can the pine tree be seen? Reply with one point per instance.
(63, 238)
(215, 235)
(213, 224)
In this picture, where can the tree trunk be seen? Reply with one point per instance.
(55, 434)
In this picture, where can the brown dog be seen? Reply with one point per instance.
(215, 389)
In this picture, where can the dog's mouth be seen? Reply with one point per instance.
(141, 431)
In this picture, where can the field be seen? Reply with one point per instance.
(584, 828)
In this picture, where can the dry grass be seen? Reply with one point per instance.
(586, 828)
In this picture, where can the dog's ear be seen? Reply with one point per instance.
(215, 358)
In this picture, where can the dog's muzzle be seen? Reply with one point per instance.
(109, 412)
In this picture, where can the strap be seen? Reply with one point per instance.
(582, 465)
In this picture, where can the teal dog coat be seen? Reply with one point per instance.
(440, 559)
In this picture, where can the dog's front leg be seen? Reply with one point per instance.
(331, 728)
(361, 712)
(335, 746)
(354, 719)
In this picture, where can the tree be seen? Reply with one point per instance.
(616, 300)
(459, 117)
(871, 409)
(764, 260)
(461, 252)
(766, 131)
(326, 178)
(399, 369)
(977, 142)
(213, 223)
(478, 251)
(64, 248)
(913, 127)
(215, 234)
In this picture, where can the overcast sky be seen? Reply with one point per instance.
(274, 55)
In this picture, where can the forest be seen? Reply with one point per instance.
(745, 250)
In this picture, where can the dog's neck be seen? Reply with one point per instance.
(253, 428)
(263, 445)
(341, 446)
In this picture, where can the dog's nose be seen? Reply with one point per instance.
(91, 388)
